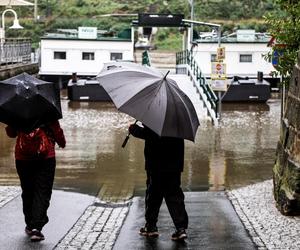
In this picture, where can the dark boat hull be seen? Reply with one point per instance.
(256, 92)
(87, 90)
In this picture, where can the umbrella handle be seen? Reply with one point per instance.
(125, 141)
(127, 137)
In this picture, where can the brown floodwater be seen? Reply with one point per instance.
(240, 151)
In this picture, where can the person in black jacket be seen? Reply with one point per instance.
(164, 160)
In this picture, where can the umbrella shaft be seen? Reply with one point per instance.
(125, 141)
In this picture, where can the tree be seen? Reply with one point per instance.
(284, 26)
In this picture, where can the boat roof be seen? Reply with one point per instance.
(255, 37)
(102, 35)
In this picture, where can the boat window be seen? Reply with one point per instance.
(213, 57)
(88, 56)
(116, 56)
(245, 58)
(62, 55)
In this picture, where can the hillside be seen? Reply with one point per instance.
(73, 13)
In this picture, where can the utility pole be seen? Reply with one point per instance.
(47, 9)
(191, 2)
(35, 10)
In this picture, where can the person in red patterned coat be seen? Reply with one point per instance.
(36, 173)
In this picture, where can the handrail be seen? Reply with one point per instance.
(15, 50)
(186, 57)
(146, 58)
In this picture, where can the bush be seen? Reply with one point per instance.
(284, 26)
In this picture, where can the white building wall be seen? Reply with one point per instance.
(203, 51)
(74, 48)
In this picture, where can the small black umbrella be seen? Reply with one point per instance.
(27, 102)
(151, 97)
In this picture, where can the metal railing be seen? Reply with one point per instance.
(14, 51)
(185, 63)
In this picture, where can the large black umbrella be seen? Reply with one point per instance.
(151, 97)
(27, 102)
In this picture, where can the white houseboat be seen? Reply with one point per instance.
(244, 54)
(82, 51)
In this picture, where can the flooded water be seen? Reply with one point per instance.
(239, 152)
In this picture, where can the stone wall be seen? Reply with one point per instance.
(286, 171)
(16, 69)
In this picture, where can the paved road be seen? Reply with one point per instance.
(65, 209)
(213, 225)
(80, 221)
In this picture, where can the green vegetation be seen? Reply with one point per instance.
(168, 39)
(284, 26)
(73, 13)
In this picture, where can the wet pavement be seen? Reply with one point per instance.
(239, 152)
(213, 224)
(64, 211)
(80, 221)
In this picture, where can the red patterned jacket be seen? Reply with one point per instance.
(57, 136)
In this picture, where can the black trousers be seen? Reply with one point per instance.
(165, 186)
(36, 179)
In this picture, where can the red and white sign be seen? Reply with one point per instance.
(218, 70)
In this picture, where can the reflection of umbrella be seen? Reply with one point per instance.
(14, 3)
(150, 97)
(27, 102)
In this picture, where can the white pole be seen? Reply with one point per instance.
(192, 18)
(3, 27)
(219, 36)
(35, 10)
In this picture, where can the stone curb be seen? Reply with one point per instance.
(268, 228)
(8, 193)
(97, 228)
(246, 221)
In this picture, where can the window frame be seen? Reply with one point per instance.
(245, 54)
(89, 57)
(60, 52)
(119, 53)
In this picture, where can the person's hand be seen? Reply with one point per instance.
(132, 128)
(11, 132)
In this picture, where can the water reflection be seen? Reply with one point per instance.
(238, 152)
(217, 172)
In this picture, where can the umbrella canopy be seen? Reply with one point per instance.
(15, 3)
(27, 102)
(152, 98)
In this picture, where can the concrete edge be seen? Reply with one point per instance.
(94, 220)
(256, 239)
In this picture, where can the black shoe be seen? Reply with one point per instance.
(28, 231)
(36, 235)
(149, 232)
(179, 235)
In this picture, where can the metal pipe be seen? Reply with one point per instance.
(202, 23)
(219, 36)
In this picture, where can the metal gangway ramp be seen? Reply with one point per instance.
(186, 85)
(191, 81)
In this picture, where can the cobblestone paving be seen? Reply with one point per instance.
(7, 193)
(269, 229)
(97, 228)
